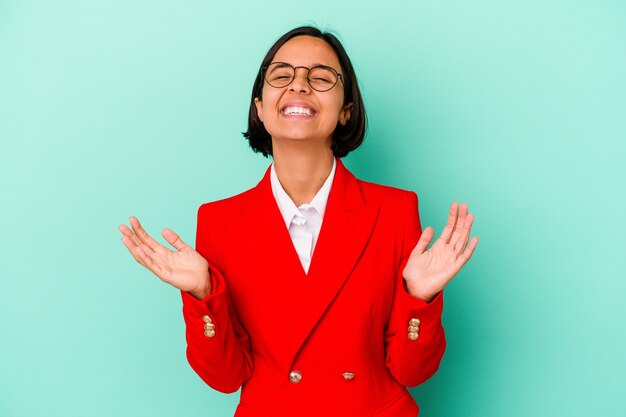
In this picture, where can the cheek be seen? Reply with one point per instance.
(333, 109)
(270, 97)
(338, 102)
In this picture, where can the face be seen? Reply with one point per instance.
(281, 109)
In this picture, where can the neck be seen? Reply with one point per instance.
(302, 173)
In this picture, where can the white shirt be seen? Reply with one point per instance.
(304, 222)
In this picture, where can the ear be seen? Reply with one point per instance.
(259, 108)
(344, 115)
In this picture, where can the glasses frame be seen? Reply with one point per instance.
(308, 71)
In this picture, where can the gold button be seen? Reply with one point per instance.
(413, 336)
(414, 322)
(413, 329)
(209, 333)
(207, 319)
(295, 376)
(209, 326)
(348, 376)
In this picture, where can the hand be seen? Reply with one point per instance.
(184, 268)
(428, 271)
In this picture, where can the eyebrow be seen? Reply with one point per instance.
(284, 64)
(317, 64)
(280, 64)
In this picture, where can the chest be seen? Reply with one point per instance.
(349, 276)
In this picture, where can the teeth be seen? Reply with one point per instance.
(300, 111)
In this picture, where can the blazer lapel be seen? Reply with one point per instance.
(270, 239)
(347, 225)
(346, 228)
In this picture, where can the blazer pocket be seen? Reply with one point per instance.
(402, 406)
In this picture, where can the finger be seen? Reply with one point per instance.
(143, 257)
(458, 231)
(467, 253)
(424, 241)
(149, 262)
(142, 234)
(173, 239)
(126, 231)
(128, 242)
(129, 233)
(447, 231)
(464, 233)
(132, 248)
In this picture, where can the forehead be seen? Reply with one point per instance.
(307, 51)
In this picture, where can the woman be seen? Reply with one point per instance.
(311, 291)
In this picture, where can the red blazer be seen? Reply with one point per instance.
(333, 343)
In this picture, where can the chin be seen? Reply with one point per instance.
(302, 137)
(295, 135)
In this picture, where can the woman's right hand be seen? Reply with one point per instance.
(184, 268)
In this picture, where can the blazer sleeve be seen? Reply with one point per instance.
(221, 357)
(413, 358)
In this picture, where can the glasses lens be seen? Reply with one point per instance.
(279, 74)
(322, 78)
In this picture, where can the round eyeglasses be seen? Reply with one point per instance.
(321, 78)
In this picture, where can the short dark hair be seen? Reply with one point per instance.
(345, 138)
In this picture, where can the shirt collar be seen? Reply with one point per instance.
(286, 205)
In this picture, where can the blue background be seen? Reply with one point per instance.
(117, 108)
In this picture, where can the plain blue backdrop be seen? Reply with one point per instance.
(117, 108)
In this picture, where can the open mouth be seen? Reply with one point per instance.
(297, 111)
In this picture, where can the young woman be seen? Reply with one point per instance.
(313, 291)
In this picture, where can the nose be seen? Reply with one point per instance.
(300, 82)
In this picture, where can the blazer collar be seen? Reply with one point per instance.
(346, 228)
(345, 189)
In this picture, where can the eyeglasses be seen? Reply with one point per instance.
(321, 78)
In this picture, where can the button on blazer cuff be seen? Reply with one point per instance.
(413, 354)
(220, 353)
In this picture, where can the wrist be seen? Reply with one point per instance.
(420, 293)
(204, 290)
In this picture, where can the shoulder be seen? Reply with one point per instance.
(398, 208)
(228, 205)
(387, 196)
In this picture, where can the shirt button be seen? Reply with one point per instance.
(206, 319)
(209, 333)
(413, 336)
(295, 376)
(348, 376)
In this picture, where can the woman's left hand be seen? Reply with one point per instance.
(428, 271)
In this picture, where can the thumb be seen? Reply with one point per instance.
(173, 239)
(425, 239)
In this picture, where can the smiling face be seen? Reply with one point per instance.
(297, 112)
